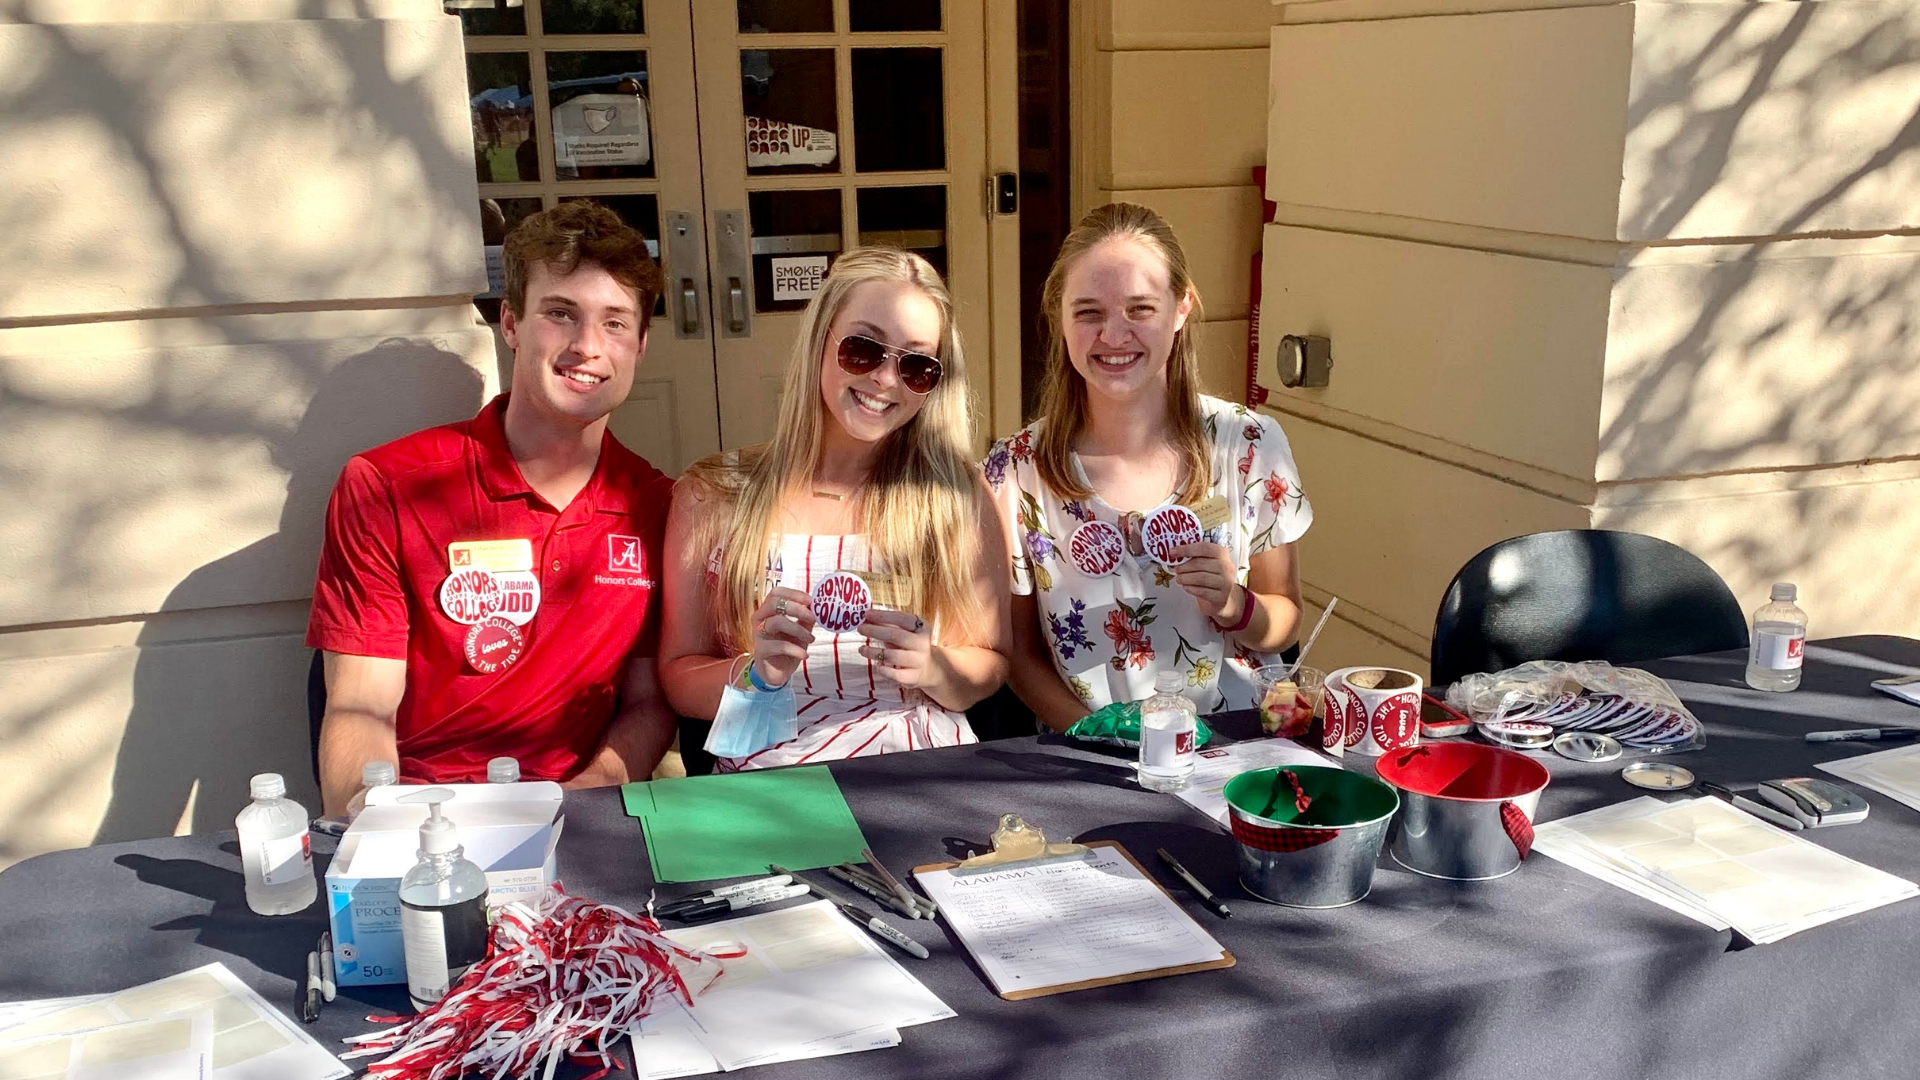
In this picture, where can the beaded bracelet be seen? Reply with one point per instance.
(1246, 614)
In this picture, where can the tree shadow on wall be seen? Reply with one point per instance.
(1787, 356)
(206, 661)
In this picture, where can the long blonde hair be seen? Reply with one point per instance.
(920, 507)
(1063, 393)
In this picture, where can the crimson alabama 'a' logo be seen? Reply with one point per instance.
(623, 552)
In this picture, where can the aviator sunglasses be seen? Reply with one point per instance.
(919, 372)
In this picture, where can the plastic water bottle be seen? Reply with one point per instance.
(1168, 722)
(443, 907)
(372, 775)
(1779, 642)
(503, 770)
(276, 851)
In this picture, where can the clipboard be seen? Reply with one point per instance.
(1226, 959)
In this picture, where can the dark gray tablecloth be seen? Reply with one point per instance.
(1547, 972)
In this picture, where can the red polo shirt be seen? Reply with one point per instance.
(394, 514)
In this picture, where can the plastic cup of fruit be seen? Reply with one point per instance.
(1287, 707)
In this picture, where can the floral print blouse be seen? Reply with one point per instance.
(1112, 632)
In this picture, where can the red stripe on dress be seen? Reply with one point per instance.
(806, 578)
(843, 730)
(839, 560)
(869, 742)
(802, 711)
(872, 690)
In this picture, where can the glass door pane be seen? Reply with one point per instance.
(501, 105)
(789, 97)
(833, 116)
(899, 110)
(593, 17)
(601, 127)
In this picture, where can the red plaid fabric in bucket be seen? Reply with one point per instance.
(1519, 828)
(1284, 838)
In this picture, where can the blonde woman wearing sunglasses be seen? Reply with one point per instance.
(868, 470)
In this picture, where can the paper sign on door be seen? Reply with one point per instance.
(798, 277)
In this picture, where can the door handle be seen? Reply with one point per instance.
(736, 306)
(686, 261)
(731, 265)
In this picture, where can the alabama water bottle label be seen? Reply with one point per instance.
(286, 859)
(1781, 652)
(1165, 747)
(441, 944)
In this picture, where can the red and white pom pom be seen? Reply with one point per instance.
(563, 979)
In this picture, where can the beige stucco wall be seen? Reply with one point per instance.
(1170, 111)
(1644, 266)
(238, 248)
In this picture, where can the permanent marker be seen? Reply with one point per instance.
(1863, 734)
(727, 905)
(886, 876)
(328, 988)
(883, 931)
(725, 892)
(877, 891)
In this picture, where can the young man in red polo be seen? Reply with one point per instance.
(488, 588)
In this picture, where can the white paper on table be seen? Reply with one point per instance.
(810, 985)
(1766, 882)
(15, 1013)
(1047, 924)
(174, 1048)
(252, 1040)
(1894, 773)
(1214, 766)
(1556, 840)
(668, 1045)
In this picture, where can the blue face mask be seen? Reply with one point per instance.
(749, 721)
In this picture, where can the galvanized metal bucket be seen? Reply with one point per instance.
(1466, 810)
(1308, 835)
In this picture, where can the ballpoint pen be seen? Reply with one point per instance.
(1205, 894)
(1868, 734)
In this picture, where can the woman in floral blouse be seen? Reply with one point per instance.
(1124, 431)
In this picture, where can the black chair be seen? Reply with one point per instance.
(1581, 594)
(316, 705)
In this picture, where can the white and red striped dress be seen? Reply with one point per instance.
(848, 707)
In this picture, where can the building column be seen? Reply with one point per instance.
(239, 241)
(1648, 267)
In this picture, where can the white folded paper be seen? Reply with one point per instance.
(1712, 862)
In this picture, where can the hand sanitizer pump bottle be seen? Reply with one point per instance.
(443, 907)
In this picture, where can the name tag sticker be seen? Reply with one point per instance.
(1212, 512)
(493, 556)
(887, 590)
